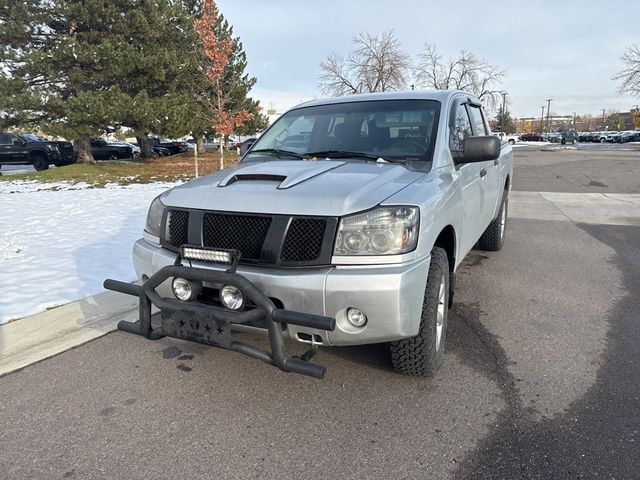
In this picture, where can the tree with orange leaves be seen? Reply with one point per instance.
(220, 93)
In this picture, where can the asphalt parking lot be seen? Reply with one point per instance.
(541, 378)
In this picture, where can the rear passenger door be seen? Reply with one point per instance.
(472, 183)
(491, 169)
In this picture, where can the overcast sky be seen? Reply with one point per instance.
(564, 50)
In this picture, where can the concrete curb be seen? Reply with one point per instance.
(35, 338)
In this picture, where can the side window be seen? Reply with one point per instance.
(461, 129)
(15, 140)
(479, 128)
(5, 139)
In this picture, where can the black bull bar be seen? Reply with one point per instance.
(211, 325)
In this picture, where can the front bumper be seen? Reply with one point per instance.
(391, 296)
(211, 325)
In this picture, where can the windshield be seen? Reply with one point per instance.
(388, 129)
(30, 137)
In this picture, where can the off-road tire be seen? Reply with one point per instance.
(422, 355)
(39, 162)
(492, 239)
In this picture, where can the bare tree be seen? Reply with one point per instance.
(463, 72)
(629, 76)
(377, 63)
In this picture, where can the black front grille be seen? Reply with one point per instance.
(178, 222)
(303, 242)
(245, 233)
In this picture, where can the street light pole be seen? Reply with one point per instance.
(542, 120)
(548, 112)
(502, 118)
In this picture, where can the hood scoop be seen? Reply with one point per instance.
(247, 177)
(287, 174)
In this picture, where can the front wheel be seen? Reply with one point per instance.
(493, 237)
(40, 162)
(423, 354)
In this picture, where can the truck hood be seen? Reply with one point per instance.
(300, 187)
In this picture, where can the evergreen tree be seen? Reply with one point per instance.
(62, 55)
(87, 66)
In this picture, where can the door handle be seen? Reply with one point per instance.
(483, 172)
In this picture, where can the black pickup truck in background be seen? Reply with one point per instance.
(28, 149)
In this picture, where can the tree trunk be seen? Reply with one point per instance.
(200, 144)
(83, 147)
(145, 147)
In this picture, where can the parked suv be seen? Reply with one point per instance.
(28, 149)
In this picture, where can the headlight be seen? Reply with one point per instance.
(383, 231)
(53, 148)
(154, 217)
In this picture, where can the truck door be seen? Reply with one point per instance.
(491, 169)
(19, 149)
(469, 174)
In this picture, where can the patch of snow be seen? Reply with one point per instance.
(58, 246)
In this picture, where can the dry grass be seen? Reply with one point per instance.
(164, 169)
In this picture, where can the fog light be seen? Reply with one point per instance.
(356, 317)
(184, 289)
(231, 297)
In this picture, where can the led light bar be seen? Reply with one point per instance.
(208, 255)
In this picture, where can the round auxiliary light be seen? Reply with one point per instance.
(231, 297)
(183, 289)
(356, 317)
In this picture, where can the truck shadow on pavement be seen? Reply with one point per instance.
(598, 435)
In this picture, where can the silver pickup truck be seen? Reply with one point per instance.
(343, 224)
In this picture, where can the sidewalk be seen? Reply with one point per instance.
(593, 208)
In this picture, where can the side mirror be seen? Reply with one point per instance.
(480, 149)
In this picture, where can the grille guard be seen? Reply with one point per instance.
(174, 312)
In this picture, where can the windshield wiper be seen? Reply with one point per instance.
(341, 154)
(278, 153)
(349, 154)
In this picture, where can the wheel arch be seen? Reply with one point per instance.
(37, 153)
(446, 240)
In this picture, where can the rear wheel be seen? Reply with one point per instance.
(493, 237)
(423, 354)
(113, 156)
(40, 162)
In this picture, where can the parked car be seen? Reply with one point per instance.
(630, 137)
(135, 149)
(554, 137)
(351, 238)
(28, 149)
(174, 146)
(245, 145)
(161, 151)
(103, 150)
(531, 137)
(585, 137)
(505, 137)
(568, 136)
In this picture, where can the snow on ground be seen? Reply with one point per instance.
(59, 242)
